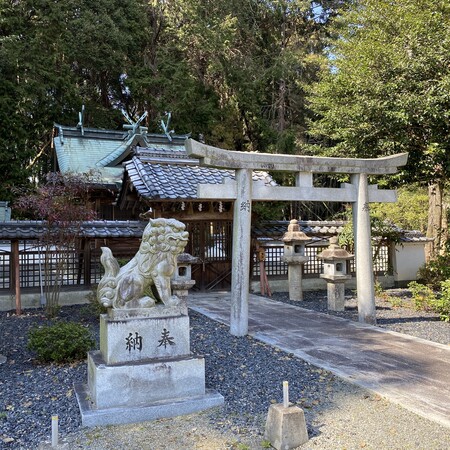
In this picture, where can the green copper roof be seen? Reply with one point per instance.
(80, 150)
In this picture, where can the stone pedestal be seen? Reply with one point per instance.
(142, 338)
(144, 369)
(286, 427)
(336, 291)
(295, 257)
(335, 268)
(295, 277)
(336, 296)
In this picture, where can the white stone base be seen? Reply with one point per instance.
(144, 382)
(144, 370)
(91, 416)
(150, 330)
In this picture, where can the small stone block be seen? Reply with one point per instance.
(286, 427)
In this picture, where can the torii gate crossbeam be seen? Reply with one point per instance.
(243, 191)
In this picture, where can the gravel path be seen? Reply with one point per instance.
(247, 373)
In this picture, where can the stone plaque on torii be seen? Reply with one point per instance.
(243, 191)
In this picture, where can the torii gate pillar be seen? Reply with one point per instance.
(243, 191)
(363, 249)
(240, 279)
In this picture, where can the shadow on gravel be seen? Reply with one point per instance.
(406, 320)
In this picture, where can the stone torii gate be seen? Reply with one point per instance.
(243, 191)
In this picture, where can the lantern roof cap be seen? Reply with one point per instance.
(334, 252)
(294, 234)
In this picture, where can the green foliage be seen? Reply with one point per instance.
(346, 237)
(435, 271)
(384, 230)
(54, 57)
(423, 296)
(234, 71)
(386, 88)
(270, 210)
(60, 342)
(379, 291)
(410, 212)
(425, 299)
(383, 295)
(396, 302)
(442, 303)
(240, 446)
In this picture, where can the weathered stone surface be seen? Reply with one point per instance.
(144, 369)
(160, 310)
(336, 296)
(295, 256)
(295, 279)
(141, 338)
(303, 167)
(144, 382)
(91, 416)
(154, 264)
(364, 263)
(240, 282)
(218, 157)
(286, 427)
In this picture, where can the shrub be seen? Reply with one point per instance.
(442, 304)
(435, 271)
(423, 296)
(381, 293)
(61, 342)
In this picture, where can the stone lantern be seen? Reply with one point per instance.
(295, 256)
(182, 277)
(335, 272)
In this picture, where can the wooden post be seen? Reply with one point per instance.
(87, 256)
(15, 258)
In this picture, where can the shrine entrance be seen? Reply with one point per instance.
(243, 191)
(210, 242)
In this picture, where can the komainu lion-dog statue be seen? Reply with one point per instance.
(134, 285)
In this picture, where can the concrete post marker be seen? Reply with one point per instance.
(286, 427)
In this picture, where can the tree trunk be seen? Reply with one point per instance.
(437, 222)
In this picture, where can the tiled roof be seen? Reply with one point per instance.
(34, 229)
(274, 230)
(414, 236)
(170, 174)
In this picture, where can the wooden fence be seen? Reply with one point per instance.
(83, 267)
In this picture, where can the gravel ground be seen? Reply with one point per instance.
(248, 373)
